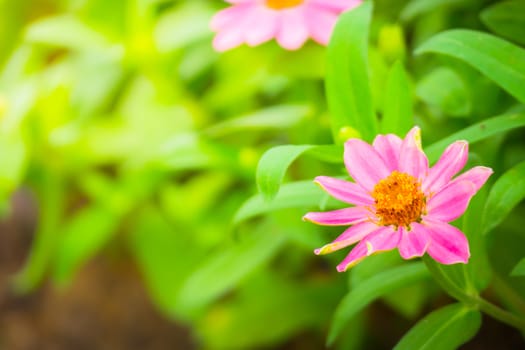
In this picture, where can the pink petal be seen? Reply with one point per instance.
(364, 164)
(413, 243)
(227, 17)
(384, 238)
(448, 245)
(293, 31)
(320, 23)
(412, 160)
(349, 236)
(452, 201)
(388, 146)
(451, 161)
(336, 5)
(477, 175)
(227, 39)
(345, 191)
(340, 217)
(262, 28)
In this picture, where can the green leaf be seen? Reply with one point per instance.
(366, 292)
(417, 8)
(83, 236)
(478, 132)
(478, 268)
(347, 82)
(519, 269)
(186, 24)
(397, 111)
(220, 272)
(66, 31)
(504, 195)
(453, 101)
(506, 19)
(273, 165)
(292, 195)
(443, 329)
(277, 117)
(499, 60)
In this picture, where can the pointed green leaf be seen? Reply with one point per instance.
(292, 195)
(347, 82)
(368, 291)
(397, 114)
(443, 329)
(506, 19)
(275, 162)
(478, 132)
(504, 195)
(273, 165)
(66, 31)
(277, 117)
(497, 59)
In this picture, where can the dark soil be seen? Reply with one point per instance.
(106, 306)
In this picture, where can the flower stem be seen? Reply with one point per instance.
(500, 314)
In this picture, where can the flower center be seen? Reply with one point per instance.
(282, 4)
(398, 200)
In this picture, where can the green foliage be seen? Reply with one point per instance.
(133, 139)
(347, 88)
(397, 109)
(498, 59)
(519, 269)
(446, 328)
(506, 19)
(273, 166)
(504, 195)
(369, 290)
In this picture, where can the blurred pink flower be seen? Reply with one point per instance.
(399, 201)
(291, 22)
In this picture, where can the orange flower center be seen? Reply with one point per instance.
(399, 200)
(282, 4)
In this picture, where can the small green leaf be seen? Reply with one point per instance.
(506, 19)
(277, 117)
(504, 195)
(397, 114)
(443, 329)
(478, 132)
(519, 269)
(273, 165)
(499, 60)
(66, 31)
(347, 83)
(292, 195)
(367, 291)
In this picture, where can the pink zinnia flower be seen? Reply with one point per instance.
(399, 201)
(291, 22)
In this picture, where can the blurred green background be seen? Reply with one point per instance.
(127, 147)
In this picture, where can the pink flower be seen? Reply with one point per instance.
(399, 201)
(291, 22)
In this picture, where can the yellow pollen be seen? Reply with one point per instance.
(282, 4)
(398, 200)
